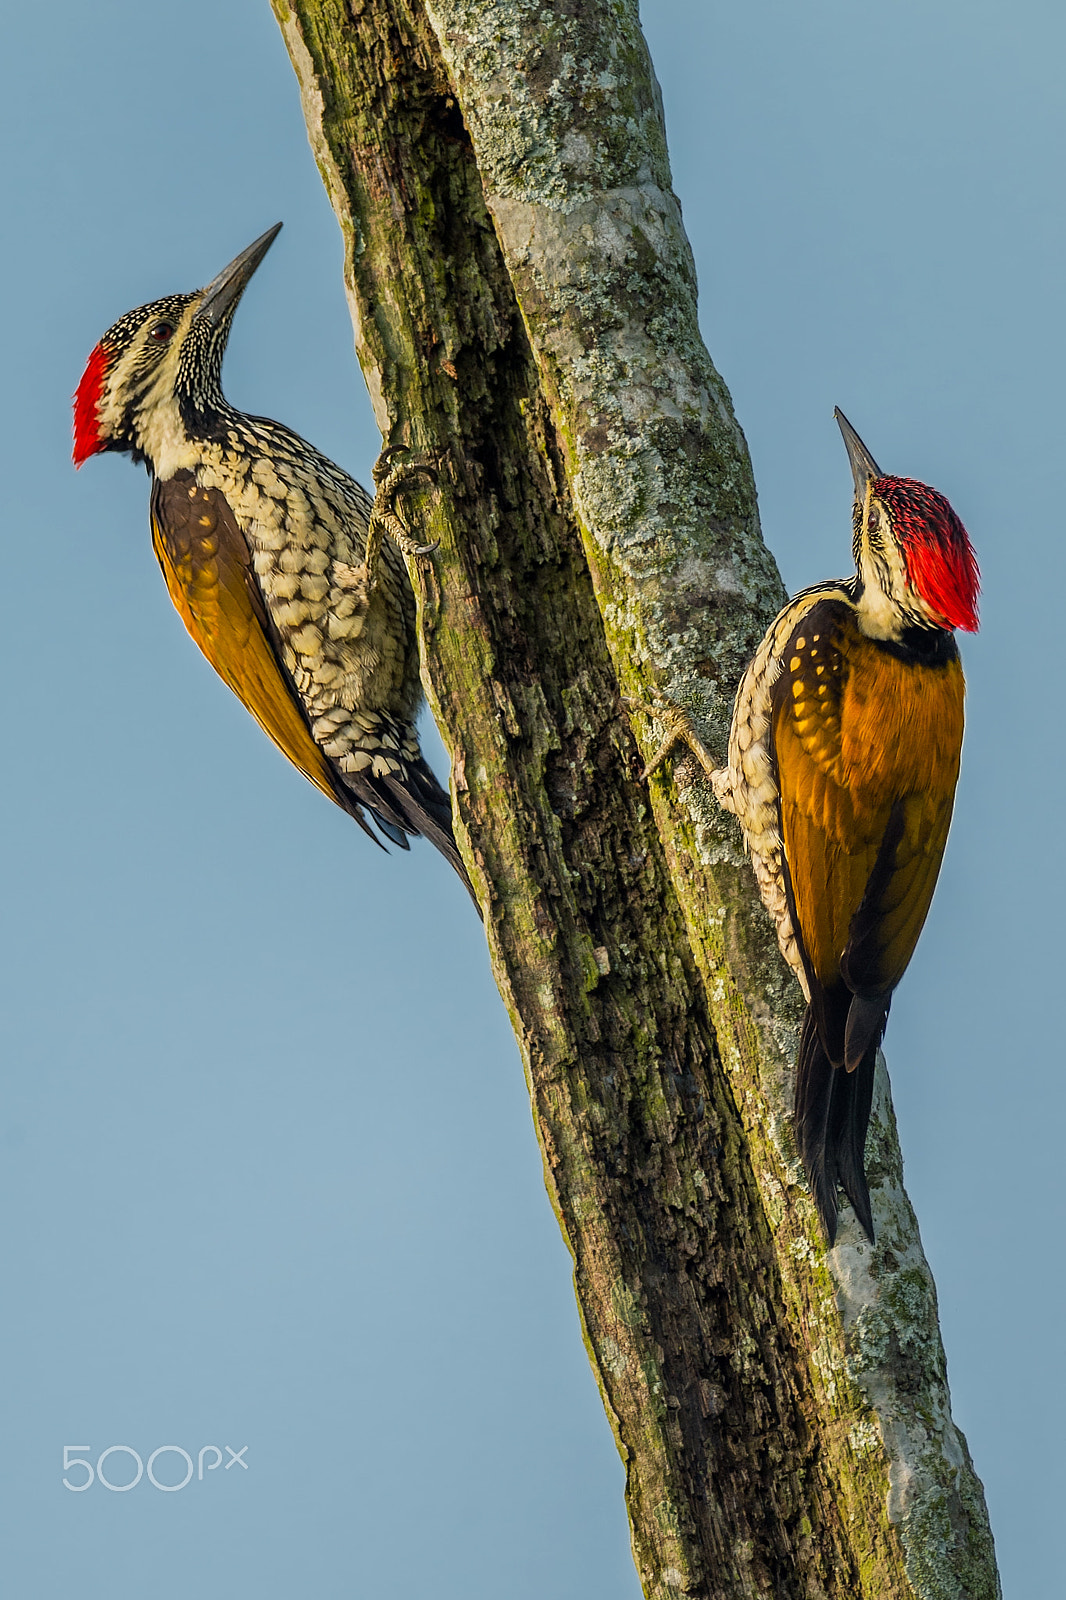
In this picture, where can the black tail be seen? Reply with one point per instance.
(412, 802)
(425, 808)
(832, 1114)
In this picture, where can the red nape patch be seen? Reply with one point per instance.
(89, 393)
(937, 552)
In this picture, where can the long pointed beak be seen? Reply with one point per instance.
(223, 292)
(863, 465)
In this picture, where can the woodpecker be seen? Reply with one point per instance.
(843, 759)
(274, 558)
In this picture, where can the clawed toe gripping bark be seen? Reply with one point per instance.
(679, 728)
(385, 518)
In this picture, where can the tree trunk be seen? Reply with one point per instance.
(525, 308)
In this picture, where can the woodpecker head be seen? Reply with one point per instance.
(916, 565)
(155, 379)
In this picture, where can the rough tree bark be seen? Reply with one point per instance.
(525, 307)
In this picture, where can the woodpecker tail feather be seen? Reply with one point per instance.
(427, 807)
(832, 1113)
(853, 1094)
(814, 1097)
(410, 802)
(865, 1028)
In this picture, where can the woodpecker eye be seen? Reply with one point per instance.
(162, 332)
(873, 521)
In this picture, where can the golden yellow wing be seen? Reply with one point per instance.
(866, 745)
(208, 570)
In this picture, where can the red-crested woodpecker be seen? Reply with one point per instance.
(842, 765)
(274, 558)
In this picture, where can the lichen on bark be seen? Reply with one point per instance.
(525, 305)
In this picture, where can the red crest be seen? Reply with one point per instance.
(937, 553)
(89, 393)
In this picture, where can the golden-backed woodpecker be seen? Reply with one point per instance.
(843, 760)
(274, 558)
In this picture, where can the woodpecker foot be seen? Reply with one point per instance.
(678, 728)
(385, 517)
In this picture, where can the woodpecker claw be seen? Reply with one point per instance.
(380, 470)
(679, 729)
(385, 517)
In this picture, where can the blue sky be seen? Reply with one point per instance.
(269, 1176)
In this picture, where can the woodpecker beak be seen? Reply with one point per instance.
(223, 292)
(863, 465)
